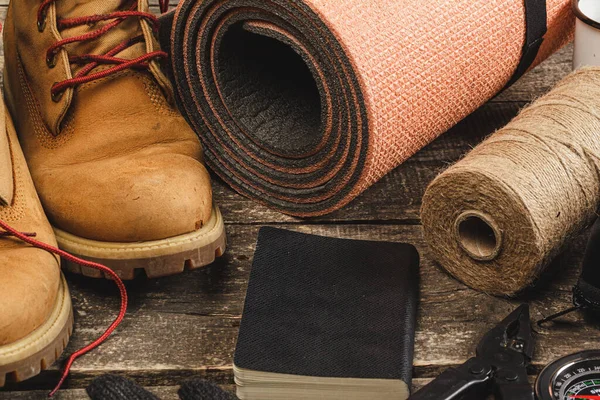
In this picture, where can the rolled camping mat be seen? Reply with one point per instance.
(304, 104)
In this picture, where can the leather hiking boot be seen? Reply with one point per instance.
(118, 170)
(36, 316)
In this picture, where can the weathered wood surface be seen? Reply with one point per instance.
(186, 326)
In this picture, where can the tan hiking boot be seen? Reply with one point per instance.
(36, 316)
(118, 170)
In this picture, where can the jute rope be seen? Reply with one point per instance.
(496, 218)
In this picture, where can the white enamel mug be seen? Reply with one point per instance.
(587, 33)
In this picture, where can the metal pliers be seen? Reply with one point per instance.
(500, 367)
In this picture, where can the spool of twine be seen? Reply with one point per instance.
(496, 218)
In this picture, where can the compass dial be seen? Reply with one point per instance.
(576, 377)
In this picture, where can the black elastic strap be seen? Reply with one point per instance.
(536, 27)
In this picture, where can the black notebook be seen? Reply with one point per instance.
(327, 318)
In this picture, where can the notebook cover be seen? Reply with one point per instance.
(328, 307)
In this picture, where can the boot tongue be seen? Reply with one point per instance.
(127, 29)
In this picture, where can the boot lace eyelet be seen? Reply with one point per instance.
(41, 22)
(56, 96)
(41, 25)
(51, 60)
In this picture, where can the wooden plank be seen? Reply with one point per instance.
(186, 325)
(163, 393)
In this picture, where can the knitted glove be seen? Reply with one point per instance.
(198, 389)
(113, 387)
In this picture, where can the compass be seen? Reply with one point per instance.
(575, 377)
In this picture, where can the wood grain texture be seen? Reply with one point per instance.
(186, 326)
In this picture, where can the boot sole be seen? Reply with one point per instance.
(37, 351)
(156, 258)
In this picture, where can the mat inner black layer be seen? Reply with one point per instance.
(270, 92)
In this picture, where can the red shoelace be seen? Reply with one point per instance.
(91, 61)
(28, 238)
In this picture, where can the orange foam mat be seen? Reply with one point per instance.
(304, 104)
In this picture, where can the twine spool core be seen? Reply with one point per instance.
(478, 235)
